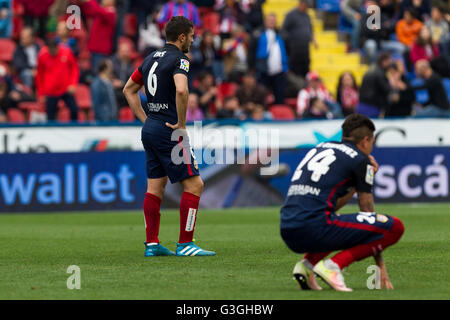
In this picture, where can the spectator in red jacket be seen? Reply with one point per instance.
(56, 78)
(37, 10)
(101, 35)
(424, 48)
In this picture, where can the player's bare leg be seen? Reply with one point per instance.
(152, 203)
(193, 188)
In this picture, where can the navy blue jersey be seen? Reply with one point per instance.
(157, 73)
(326, 173)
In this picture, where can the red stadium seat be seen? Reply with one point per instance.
(282, 112)
(15, 116)
(211, 22)
(7, 48)
(31, 106)
(83, 96)
(64, 115)
(126, 115)
(292, 102)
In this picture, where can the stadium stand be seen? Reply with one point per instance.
(330, 58)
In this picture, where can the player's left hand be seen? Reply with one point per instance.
(374, 163)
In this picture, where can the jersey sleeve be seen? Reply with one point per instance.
(363, 175)
(137, 76)
(181, 66)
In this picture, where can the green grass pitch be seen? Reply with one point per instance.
(252, 262)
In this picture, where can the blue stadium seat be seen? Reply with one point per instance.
(447, 86)
(328, 5)
(421, 95)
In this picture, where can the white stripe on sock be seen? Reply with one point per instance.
(184, 250)
(194, 253)
(190, 251)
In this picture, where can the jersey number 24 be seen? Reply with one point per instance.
(318, 164)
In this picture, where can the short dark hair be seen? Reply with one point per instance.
(356, 127)
(384, 55)
(103, 65)
(176, 26)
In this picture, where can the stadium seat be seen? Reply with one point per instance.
(292, 102)
(83, 96)
(211, 22)
(64, 114)
(15, 116)
(29, 107)
(7, 48)
(126, 115)
(447, 86)
(282, 112)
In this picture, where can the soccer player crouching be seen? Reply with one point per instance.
(324, 181)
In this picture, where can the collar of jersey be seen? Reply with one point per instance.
(170, 46)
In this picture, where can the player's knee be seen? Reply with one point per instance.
(397, 228)
(194, 186)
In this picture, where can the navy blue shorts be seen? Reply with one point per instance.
(165, 157)
(339, 233)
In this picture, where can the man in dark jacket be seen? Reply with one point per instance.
(437, 105)
(25, 57)
(375, 88)
(297, 32)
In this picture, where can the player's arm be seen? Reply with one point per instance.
(365, 202)
(181, 99)
(342, 201)
(384, 277)
(131, 92)
(345, 199)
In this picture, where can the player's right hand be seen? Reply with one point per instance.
(374, 163)
(175, 126)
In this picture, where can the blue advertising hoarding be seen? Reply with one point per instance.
(405, 174)
(117, 180)
(72, 181)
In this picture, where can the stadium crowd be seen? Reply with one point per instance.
(54, 67)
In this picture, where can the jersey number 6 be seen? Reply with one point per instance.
(319, 164)
(152, 80)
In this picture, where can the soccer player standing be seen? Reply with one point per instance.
(164, 75)
(324, 181)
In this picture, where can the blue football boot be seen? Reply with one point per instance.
(153, 250)
(189, 249)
